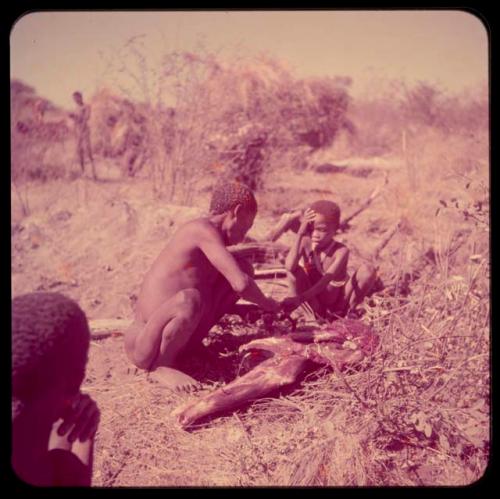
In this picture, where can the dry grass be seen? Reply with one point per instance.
(416, 413)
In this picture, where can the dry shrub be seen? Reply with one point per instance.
(393, 108)
(119, 131)
(39, 134)
(219, 109)
(39, 139)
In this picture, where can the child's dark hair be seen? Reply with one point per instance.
(226, 195)
(50, 339)
(328, 209)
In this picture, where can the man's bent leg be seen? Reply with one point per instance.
(223, 301)
(166, 332)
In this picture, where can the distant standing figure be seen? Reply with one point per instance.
(82, 130)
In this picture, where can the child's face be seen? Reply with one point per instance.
(323, 231)
(238, 223)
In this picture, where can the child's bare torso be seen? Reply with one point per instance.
(316, 267)
(181, 265)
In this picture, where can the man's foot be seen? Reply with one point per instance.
(174, 380)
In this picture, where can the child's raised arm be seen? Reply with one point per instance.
(212, 245)
(293, 257)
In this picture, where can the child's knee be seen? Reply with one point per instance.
(366, 273)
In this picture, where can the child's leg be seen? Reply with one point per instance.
(165, 334)
(358, 286)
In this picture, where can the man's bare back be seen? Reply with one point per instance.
(181, 265)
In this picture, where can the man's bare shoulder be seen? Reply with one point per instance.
(336, 251)
(199, 228)
(198, 224)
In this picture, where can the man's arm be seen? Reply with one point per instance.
(213, 247)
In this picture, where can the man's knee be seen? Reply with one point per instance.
(189, 304)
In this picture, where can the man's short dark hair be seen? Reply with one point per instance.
(227, 195)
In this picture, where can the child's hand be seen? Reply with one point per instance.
(307, 218)
(81, 417)
(289, 304)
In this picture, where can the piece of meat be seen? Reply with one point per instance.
(344, 342)
(268, 376)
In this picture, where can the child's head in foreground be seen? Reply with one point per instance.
(50, 341)
(326, 222)
(237, 202)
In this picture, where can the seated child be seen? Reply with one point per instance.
(321, 280)
(53, 424)
(193, 282)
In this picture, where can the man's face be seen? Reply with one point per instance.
(239, 223)
(323, 231)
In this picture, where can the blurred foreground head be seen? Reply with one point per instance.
(50, 342)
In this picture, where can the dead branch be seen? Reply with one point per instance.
(291, 221)
(103, 328)
(260, 252)
(387, 237)
(344, 225)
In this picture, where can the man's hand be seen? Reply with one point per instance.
(272, 306)
(81, 416)
(307, 219)
(289, 304)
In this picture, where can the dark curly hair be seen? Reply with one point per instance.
(226, 195)
(50, 339)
